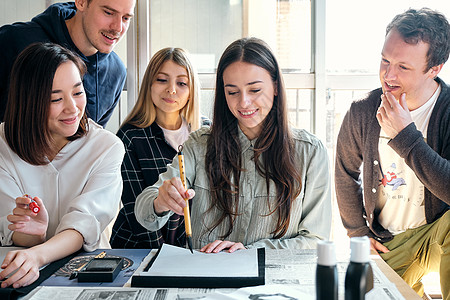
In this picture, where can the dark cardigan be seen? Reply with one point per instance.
(357, 145)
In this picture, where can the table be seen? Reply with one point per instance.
(402, 286)
(292, 268)
(297, 268)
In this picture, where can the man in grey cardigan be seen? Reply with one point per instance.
(400, 135)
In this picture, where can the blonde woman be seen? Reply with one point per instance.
(164, 115)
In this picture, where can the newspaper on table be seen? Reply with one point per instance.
(292, 271)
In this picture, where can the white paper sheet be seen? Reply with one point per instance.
(275, 292)
(176, 261)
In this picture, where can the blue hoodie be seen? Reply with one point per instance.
(105, 75)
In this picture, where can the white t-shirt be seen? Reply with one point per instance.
(178, 136)
(401, 200)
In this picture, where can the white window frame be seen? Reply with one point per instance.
(138, 55)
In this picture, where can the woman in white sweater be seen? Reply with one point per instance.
(67, 164)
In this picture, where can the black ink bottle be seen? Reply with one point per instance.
(326, 272)
(359, 276)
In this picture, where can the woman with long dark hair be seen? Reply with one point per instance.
(253, 181)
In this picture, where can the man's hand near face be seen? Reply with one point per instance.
(393, 115)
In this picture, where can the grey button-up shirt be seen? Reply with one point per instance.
(310, 218)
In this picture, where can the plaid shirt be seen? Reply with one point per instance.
(147, 155)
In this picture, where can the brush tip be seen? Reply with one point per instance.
(189, 242)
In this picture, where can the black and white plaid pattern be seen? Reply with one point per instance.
(147, 155)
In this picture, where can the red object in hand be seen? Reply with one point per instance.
(34, 207)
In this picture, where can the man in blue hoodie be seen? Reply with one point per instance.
(91, 28)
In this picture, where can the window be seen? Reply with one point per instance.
(354, 39)
(206, 27)
(353, 47)
(203, 27)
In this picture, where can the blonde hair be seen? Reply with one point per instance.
(143, 113)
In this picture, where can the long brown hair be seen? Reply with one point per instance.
(143, 113)
(29, 99)
(274, 149)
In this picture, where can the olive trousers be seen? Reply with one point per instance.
(416, 252)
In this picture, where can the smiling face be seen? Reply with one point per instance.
(68, 102)
(403, 69)
(170, 90)
(104, 23)
(249, 91)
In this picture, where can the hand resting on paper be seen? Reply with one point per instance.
(171, 197)
(20, 268)
(219, 245)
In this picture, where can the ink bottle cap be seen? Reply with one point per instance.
(360, 249)
(326, 253)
